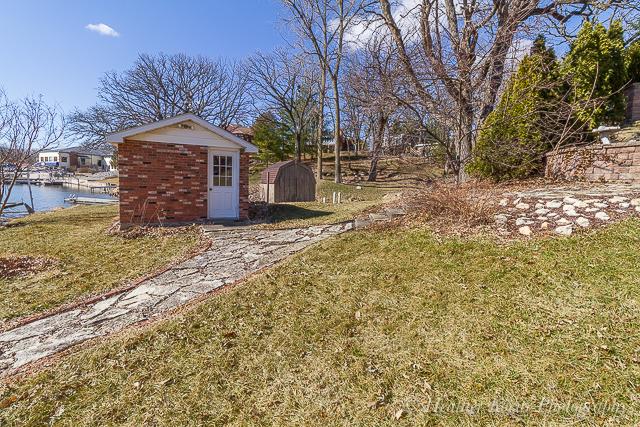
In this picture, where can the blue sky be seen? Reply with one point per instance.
(47, 49)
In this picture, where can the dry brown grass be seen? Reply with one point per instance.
(88, 260)
(455, 208)
(137, 232)
(521, 334)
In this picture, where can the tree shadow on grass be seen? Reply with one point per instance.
(275, 213)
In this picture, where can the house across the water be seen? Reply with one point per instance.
(75, 158)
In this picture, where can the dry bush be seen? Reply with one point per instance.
(469, 205)
(137, 231)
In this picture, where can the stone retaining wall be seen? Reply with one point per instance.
(618, 162)
(633, 102)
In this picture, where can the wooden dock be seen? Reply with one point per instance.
(90, 201)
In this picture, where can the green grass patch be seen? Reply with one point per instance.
(87, 259)
(371, 327)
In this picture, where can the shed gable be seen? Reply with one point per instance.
(186, 133)
(185, 129)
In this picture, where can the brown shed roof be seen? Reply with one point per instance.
(272, 171)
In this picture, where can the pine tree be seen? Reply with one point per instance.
(271, 139)
(633, 62)
(596, 66)
(513, 138)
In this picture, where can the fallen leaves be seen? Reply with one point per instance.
(23, 265)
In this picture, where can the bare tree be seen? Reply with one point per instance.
(286, 85)
(26, 127)
(322, 96)
(355, 117)
(373, 86)
(454, 54)
(162, 86)
(323, 24)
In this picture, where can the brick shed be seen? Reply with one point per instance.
(182, 170)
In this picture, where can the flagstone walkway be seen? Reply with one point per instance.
(234, 255)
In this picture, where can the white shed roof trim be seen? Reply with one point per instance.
(119, 137)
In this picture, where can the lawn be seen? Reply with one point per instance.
(358, 195)
(85, 259)
(378, 328)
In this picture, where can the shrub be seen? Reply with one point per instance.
(596, 66)
(633, 62)
(446, 206)
(513, 137)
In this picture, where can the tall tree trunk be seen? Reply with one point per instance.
(336, 131)
(377, 146)
(465, 142)
(298, 147)
(323, 92)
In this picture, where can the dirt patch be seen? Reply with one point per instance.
(23, 265)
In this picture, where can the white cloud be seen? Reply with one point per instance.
(406, 13)
(103, 29)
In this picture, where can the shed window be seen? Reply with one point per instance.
(222, 171)
(63, 159)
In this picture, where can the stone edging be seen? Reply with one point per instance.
(232, 258)
(83, 301)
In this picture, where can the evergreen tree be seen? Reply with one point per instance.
(514, 136)
(596, 66)
(633, 62)
(271, 138)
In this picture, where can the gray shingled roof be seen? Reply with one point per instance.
(83, 151)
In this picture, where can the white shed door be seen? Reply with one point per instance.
(224, 183)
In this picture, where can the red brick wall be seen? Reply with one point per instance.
(167, 183)
(162, 183)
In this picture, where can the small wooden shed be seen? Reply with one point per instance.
(288, 181)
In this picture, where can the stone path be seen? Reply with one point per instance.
(233, 256)
(564, 209)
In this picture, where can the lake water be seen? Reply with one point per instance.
(47, 197)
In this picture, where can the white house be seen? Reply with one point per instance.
(74, 158)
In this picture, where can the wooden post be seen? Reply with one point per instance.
(268, 185)
(30, 192)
